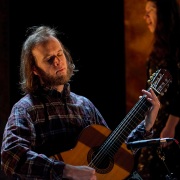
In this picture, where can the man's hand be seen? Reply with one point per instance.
(153, 111)
(79, 172)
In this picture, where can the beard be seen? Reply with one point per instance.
(51, 81)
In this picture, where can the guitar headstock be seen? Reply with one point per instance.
(160, 80)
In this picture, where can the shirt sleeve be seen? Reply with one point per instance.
(139, 133)
(18, 158)
(94, 113)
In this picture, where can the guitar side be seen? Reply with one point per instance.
(91, 137)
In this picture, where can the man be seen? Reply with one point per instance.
(50, 118)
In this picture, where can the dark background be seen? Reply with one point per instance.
(93, 31)
(94, 35)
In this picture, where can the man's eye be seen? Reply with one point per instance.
(59, 54)
(50, 60)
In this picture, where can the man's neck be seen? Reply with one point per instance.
(59, 88)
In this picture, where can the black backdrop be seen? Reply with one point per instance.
(93, 32)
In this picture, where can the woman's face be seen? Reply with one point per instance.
(151, 15)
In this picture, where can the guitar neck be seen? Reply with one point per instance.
(131, 120)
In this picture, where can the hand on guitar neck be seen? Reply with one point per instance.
(151, 114)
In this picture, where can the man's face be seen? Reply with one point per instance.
(51, 64)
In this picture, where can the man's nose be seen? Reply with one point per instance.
(56, 60)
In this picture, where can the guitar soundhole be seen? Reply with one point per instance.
(102, 163)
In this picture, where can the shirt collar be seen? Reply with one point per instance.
(43, 90)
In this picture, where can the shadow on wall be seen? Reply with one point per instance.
(137, 47)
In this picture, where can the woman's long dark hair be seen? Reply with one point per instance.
(167, 33)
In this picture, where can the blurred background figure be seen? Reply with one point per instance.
(163, 20)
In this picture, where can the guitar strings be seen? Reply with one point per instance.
(106, 147)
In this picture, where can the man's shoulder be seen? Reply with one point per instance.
(81, 99)
(78, 96)
(25, 101)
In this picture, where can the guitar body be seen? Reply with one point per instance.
(91, 137)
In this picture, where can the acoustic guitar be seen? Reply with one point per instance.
(106, 150)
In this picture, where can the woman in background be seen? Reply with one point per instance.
(163, 20)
